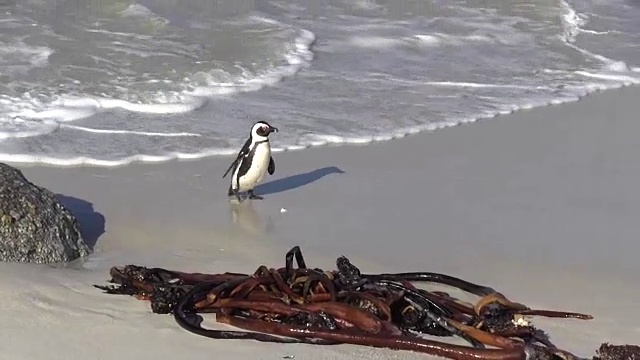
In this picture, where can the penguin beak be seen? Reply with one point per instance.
(273, 129)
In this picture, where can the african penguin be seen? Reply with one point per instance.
(252, 162)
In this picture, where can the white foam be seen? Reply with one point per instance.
(140, 11)
(366, 5)
(433, 39)
(22, 128)
(474, 85)
(130, 132)
(14, 119)
(446, 39)
(19, 114)
(87, 161)
(620, 78)
(374, 42)
(30, 116)
(572, 22)
(117, 33)
(618, 66)
(55, 113)
(176, 103)
(20, 57)
(298, 58)
(309, 140)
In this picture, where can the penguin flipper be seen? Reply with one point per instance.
(244, 151)
(232, 166)
(272, 166)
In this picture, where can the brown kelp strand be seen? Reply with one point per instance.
(296, 304)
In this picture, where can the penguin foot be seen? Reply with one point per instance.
(254, 196)
(234, 193)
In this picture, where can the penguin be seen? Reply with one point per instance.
(253, 161)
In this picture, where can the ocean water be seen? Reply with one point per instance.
(109, 82)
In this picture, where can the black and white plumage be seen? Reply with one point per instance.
(253, 161)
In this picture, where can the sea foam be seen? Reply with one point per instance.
(34, 114)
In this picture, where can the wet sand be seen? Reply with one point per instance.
(540, 204)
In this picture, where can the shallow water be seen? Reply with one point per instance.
(109, 82)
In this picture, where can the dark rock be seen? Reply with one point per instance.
(34, 226)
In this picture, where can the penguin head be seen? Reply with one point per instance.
(262, 129)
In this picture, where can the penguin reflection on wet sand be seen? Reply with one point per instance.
(253, 162)
(247, 221)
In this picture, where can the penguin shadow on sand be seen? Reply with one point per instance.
(296, 181)
(92, 223)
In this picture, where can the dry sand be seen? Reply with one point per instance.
(541, 204)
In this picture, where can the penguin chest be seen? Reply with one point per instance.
(255, 167)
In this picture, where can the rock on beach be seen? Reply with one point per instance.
(34, 226)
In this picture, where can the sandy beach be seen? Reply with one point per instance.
(540, 204)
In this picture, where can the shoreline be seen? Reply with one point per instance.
(428, 128)
(534, 204)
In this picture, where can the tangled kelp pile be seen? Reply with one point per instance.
(344, 306)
